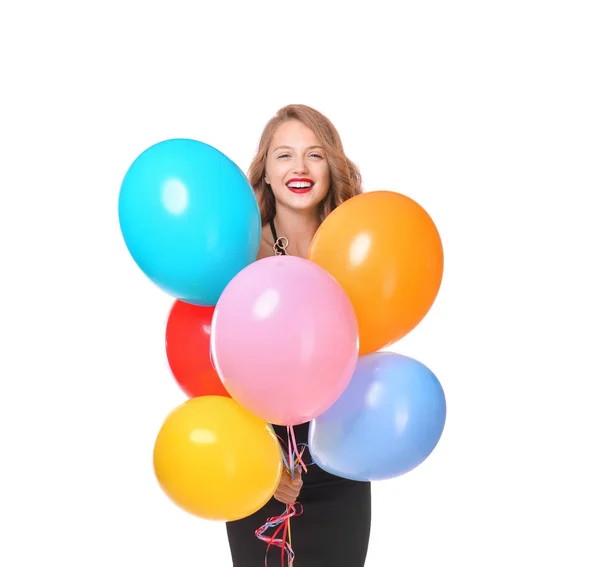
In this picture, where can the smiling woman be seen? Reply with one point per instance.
(300, 174)
(297, 171)
(300, 144)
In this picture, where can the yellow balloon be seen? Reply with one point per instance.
(216, 460)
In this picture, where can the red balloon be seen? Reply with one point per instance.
(188, 350)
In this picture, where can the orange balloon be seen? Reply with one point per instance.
(385, 251)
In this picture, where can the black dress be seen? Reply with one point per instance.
(333, 529)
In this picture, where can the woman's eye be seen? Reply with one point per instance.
(316, 155)
(282, 156)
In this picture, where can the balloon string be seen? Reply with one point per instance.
(282, 522)
(285, 457)
(286, 525)
(278, 522)
(292, 460)
(294, 449)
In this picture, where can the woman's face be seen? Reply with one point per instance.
(296, 167)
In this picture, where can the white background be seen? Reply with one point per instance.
(486, 113)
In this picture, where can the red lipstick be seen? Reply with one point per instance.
(304, 188)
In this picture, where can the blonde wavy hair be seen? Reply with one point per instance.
(345, 182)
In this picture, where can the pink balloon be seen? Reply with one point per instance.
(284, 339)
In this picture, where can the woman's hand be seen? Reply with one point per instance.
(288, 490)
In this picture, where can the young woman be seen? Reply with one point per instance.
(300, 174)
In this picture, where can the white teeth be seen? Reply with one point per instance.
(300, 184)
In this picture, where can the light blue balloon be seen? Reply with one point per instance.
(387, 422)
(189, 218)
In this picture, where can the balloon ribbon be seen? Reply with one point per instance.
(293, 461)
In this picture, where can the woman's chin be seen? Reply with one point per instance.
(300, 201)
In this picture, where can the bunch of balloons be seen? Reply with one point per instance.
(281, 340)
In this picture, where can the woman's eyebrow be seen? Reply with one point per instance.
(290, 148)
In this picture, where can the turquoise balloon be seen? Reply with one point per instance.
(189, 218)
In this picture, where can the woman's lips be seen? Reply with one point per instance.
(300, 185)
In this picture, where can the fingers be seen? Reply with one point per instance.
(297, 477)
(286, 477)
(288, 492)
(285, 497)
(288, 489)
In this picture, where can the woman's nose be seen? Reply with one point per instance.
(300, 166)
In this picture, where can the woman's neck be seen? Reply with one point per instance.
(298, 227)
